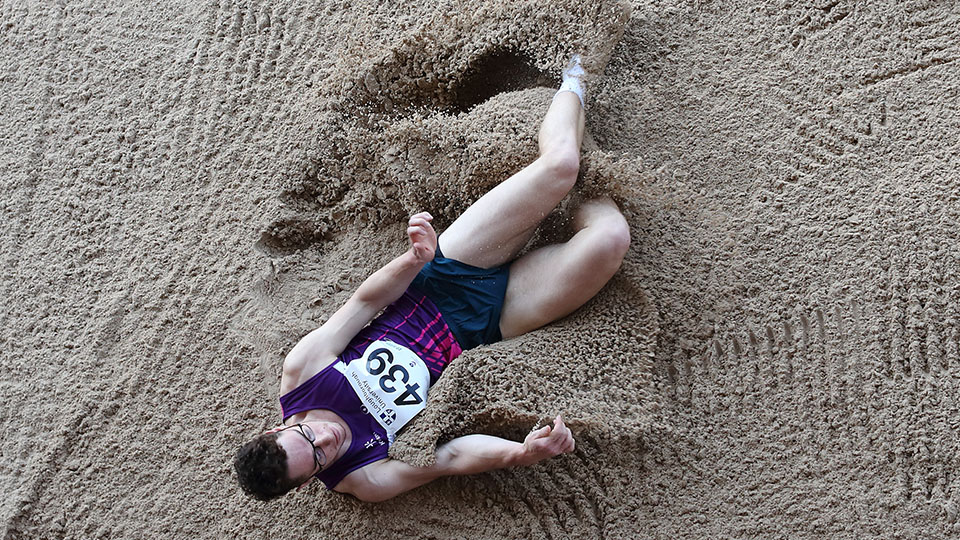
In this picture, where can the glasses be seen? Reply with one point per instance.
(319, 458)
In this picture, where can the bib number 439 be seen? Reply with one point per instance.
(378, 362)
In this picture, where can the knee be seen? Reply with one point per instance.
(611, 240)
(616, 233)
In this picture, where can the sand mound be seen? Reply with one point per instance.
(188, 190)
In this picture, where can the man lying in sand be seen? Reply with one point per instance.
(350, 385)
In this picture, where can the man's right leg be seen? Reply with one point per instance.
(497, 226)
(553, 281)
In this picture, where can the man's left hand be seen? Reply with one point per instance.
(547, 442)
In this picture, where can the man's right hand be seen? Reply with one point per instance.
(423, 238)
(547, 442)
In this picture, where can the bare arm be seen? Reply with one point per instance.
(470, 454)
(315, 350)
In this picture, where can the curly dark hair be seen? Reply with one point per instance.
(261, 467)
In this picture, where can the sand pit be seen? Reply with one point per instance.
(189, 189)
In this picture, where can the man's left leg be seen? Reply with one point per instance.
(497, 226)
(553, 281)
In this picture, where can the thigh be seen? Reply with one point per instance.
(551, 282)
(498, 225)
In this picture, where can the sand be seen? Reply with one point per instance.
(188, 189)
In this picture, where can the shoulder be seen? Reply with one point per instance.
(361, 482)
(384, 479)
(308, 357)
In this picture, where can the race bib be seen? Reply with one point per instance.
(392, 383)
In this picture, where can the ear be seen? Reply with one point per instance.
(274, 430)
(305, 483)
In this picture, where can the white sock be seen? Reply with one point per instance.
(571, 79)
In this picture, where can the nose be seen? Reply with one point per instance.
(326, 437)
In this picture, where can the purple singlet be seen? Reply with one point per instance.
(412, 321)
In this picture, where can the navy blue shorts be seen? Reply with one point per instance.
(469, 298)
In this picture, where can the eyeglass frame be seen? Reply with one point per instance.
(317, 452)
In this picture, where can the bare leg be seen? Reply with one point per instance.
(564, 121)
(551, 282)
(497, 226)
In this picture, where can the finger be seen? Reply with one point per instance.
(558, 423)
(560, 436)
(419, 220)
(424, 215)
(422, 225)
(542, 432)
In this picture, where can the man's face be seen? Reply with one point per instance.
(303, 456)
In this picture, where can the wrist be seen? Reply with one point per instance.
(521, 457)
(411, 260)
